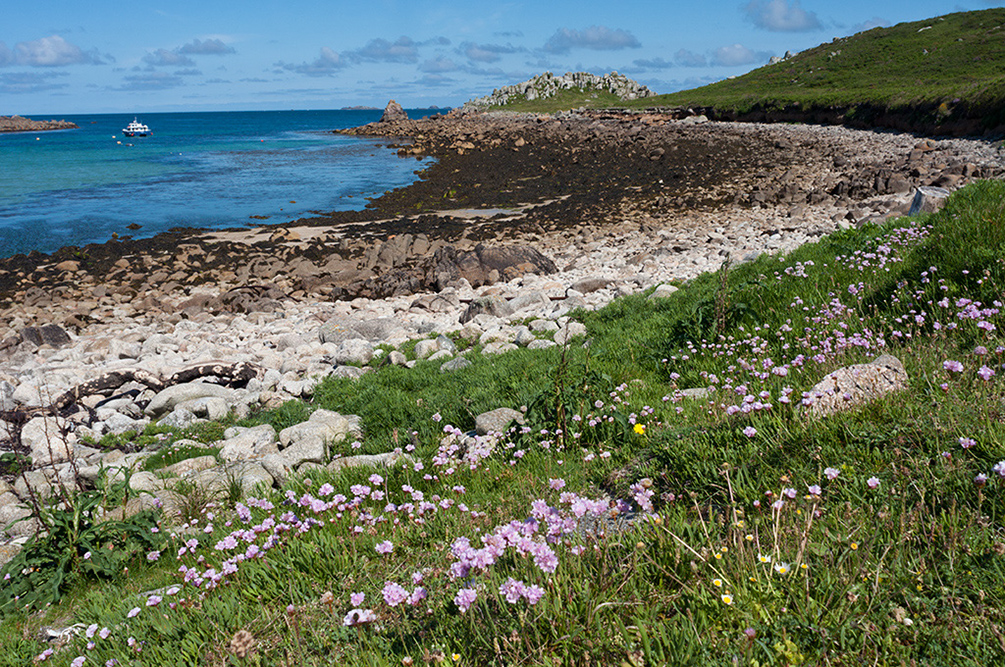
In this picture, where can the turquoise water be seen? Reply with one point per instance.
(208, 170)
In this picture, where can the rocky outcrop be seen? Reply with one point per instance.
(393, 112)
(547, 85)
(21, 124)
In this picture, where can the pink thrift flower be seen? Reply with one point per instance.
(356, 599)
(831, 473)
(985, 373)
(952, 365)
(133, 612)
(384, 547)
(967, 443)
(465, 598)
(533, 594)
(359, 617)
(873, 482)
(394, 594)
(78, 661)
(750, 431)
(556, 484)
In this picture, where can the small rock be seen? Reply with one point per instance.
(496, 421)
(455, 365)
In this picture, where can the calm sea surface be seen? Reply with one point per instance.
(211, 170)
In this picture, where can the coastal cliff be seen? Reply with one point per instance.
(21, 124)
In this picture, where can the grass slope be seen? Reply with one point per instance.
(947, 65)
(760, 536)
(937, 71)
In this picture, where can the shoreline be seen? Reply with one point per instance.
(545, 213)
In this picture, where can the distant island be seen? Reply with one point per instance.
(360, 108)
(21, 124)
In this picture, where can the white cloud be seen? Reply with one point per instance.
(165, 58)
(654, 63)
(151, 81)
(781, 16)
(214, 47)
(29, 82)
(737, 54)
(53, 51)
(874, 22)
(686, 58)
(598, 38)
(402, 50)
(486, 53)
(438, 65)
(326, 64)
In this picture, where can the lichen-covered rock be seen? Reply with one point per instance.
(496, 421)
(245, 444)
(852, 386)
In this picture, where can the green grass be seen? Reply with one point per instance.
(887, 547)
(932, 72)
(571, 98)
(945, 67)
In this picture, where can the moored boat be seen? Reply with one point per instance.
(136, 129)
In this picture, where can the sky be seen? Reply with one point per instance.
(62, 57)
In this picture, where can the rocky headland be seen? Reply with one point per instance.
(544, 86)
(521, 220)
(21, 124)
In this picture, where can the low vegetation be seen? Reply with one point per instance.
(627, 521)
(943, 72)
(945, 67)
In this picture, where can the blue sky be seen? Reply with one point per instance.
(99, 56)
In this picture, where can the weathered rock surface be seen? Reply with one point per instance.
(855, 385)
(393, 112)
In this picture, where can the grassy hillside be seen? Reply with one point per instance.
(952, 64)
(938, 75)
(761, 536)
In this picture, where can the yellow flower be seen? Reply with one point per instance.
(455, 657)
(640, 429)
(805, 566)
(763, 558)
(854, 546)
(727, 598)
(717, 583)
(718, 556)
(749, 538)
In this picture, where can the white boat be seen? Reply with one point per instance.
(136, 129)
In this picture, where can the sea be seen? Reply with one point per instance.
(207, 170)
